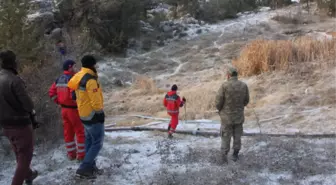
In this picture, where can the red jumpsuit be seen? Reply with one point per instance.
(173, 103)
(72, 125)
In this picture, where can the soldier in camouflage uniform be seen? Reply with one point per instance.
(231, 99)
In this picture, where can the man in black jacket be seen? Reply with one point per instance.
(17, 117)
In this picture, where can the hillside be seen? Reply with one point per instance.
(287, 58)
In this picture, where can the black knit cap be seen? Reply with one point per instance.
(67, 64)
(174, 87)
(88, 61)
(8, 60)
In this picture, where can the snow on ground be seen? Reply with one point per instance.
(150, 158)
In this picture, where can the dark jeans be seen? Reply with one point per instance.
(94, 138)
(21, 139)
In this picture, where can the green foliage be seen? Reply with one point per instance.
(109, 22)
(15, 33)
(216, 10)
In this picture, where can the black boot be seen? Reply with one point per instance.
(223, 160)
(235, 155)
(86, 174)
(30, 181)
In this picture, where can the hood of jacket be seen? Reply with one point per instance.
(171, 93)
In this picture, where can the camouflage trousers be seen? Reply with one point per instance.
(226, 132)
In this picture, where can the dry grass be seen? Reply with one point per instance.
(269, 55)
(145, 86)
(200, 102)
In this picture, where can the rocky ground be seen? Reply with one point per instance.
(149, 158)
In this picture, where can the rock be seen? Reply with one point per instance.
(132, 43)
(168, 35)
(133, 151)
(199, 31)
(118, 82)
(201, 22)
(160, 43)
(56, 34)
(145, 27)
(146, 44)
(183, 34)
(166, 28)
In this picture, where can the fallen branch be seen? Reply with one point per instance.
(110, 125)
(216, 134)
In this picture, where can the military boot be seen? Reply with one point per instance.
(223, 159)
(30, 180)
(235, 155)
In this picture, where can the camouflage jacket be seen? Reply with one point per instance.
(231, 99)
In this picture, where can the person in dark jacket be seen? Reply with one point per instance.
(17, 117)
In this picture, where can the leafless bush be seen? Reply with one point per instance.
(39, 78)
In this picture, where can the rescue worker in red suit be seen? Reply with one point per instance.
(72, 125)
(173, 103)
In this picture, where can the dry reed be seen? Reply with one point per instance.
(146, 85)
(269, 55)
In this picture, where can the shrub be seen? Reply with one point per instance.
(288, 19)
(274, 3)
(268, 55)
(38, 78)
(18, 35)
(327, 5)
(110, 23)
(15, 33)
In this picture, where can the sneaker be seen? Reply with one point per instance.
(170, 136)
(30, 181)
(85, 174)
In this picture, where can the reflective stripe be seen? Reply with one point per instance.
(171, 99)
(53, 98)
(171, 131)
(90, 116)
(70, 143)
(61, 85)
(80, 144)
(70, 149)
(80, 150)
(172, 111)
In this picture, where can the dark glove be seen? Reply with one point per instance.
(100, 117)
(183, 99)
(35, 123)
